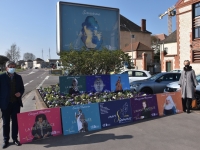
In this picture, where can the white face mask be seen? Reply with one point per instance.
(11, 70)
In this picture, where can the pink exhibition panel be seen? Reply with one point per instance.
(39, 124)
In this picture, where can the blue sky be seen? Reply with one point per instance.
(31, 24)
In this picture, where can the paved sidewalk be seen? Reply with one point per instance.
(177, 132)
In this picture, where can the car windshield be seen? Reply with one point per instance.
(154, 77)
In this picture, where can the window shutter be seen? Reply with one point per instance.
(196, 56)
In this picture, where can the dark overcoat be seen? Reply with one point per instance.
(5, 89)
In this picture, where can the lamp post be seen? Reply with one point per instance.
(131, 38)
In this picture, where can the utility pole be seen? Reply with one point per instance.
(49, 54)
(42, 55)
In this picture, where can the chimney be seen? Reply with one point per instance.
(143, 25)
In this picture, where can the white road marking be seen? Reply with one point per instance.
(31, 73)
(26, 84)
(31, 81)
(47, 77)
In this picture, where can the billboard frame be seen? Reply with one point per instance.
(58, 20)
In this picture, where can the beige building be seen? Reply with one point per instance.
(138, 49)
(138, 34)
(169, 47)
(136, 41)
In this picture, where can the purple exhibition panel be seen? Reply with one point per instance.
(98, 83)
(144, 107)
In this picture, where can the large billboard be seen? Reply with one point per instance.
(91, 26)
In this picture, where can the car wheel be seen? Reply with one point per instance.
(147, 91)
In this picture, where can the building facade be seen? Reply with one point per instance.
(188, 33)
(136, 41)
(28, 64)
(169, 53)
(39, 63)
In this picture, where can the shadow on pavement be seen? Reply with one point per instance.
(79, 139)
(88, 137)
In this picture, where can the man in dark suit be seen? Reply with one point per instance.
(11, 91)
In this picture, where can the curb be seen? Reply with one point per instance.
(39, 101)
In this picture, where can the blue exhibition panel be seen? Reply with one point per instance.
(80, 118)
(114, 113)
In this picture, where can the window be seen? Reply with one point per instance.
(196, 20)
(177, 77)
(166, 49)
(139, 74)
(129, 73)
(197, 10)
(197, 32)
(195, 56)
(167, 77)
(198, 78)
(133, 36)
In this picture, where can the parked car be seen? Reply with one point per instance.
(176, 70)
(156, 83)
(36, 67)
(197, 96)
(174, 86)
(135, 75)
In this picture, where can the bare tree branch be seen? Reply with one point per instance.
(13, 53)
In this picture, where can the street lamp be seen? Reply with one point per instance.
(131, 38)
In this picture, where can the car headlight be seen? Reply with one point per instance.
(135, 85)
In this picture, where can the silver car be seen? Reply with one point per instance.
(156, 83)
(174, 86)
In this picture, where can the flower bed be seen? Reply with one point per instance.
(52, 97)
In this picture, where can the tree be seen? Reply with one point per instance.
(29, 56)
(13, 54)
(155, 45)
(90, 62)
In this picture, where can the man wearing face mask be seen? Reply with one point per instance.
(11, 91)
(188, 85)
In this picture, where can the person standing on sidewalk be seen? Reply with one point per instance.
(11, 91)
(188, 84)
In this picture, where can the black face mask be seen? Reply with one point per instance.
(186, 66)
